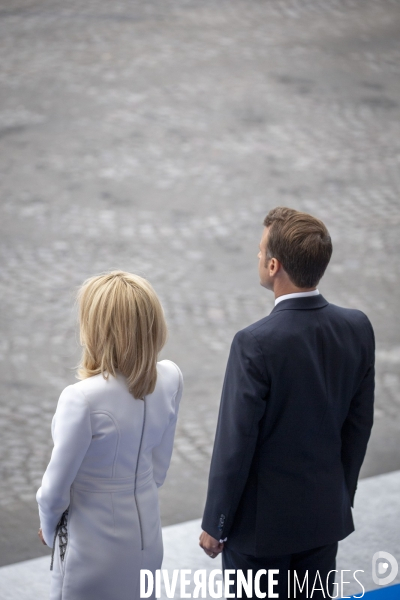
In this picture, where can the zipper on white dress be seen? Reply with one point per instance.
(137, 464)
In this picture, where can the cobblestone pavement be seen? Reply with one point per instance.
(154, 137)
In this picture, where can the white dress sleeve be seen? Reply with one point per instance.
(72, 434)
(163, 452)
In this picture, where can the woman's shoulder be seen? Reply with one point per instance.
(84, 384)
(93, 389)
(168, 365)
(85, 388)
(170, 373)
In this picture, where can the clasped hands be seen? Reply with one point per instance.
(210, 545)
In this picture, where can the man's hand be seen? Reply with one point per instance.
(40, 534)
(210, 545)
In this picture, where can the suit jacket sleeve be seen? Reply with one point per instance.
(161, 454)
(72, 434)
(242, 406)
(357, 426)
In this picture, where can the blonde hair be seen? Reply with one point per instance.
(122, 328)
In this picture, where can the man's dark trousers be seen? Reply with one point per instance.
(307, 571)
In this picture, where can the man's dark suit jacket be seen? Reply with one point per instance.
(295, 418)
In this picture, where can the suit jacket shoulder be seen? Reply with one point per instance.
(352, 315)
(287, 317)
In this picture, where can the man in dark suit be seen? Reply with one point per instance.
(295, 418)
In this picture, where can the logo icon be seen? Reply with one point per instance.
(381, 568)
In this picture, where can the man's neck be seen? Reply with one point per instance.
(284, 290)
(314, 292)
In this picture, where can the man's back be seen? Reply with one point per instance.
(304, 470)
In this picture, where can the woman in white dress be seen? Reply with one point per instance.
(113, 435)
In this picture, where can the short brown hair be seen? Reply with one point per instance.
(122, 329)
(300, 242)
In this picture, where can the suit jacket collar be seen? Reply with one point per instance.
(305, 303)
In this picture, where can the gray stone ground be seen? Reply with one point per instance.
(153, 137)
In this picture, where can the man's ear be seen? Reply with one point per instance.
(274, 266)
